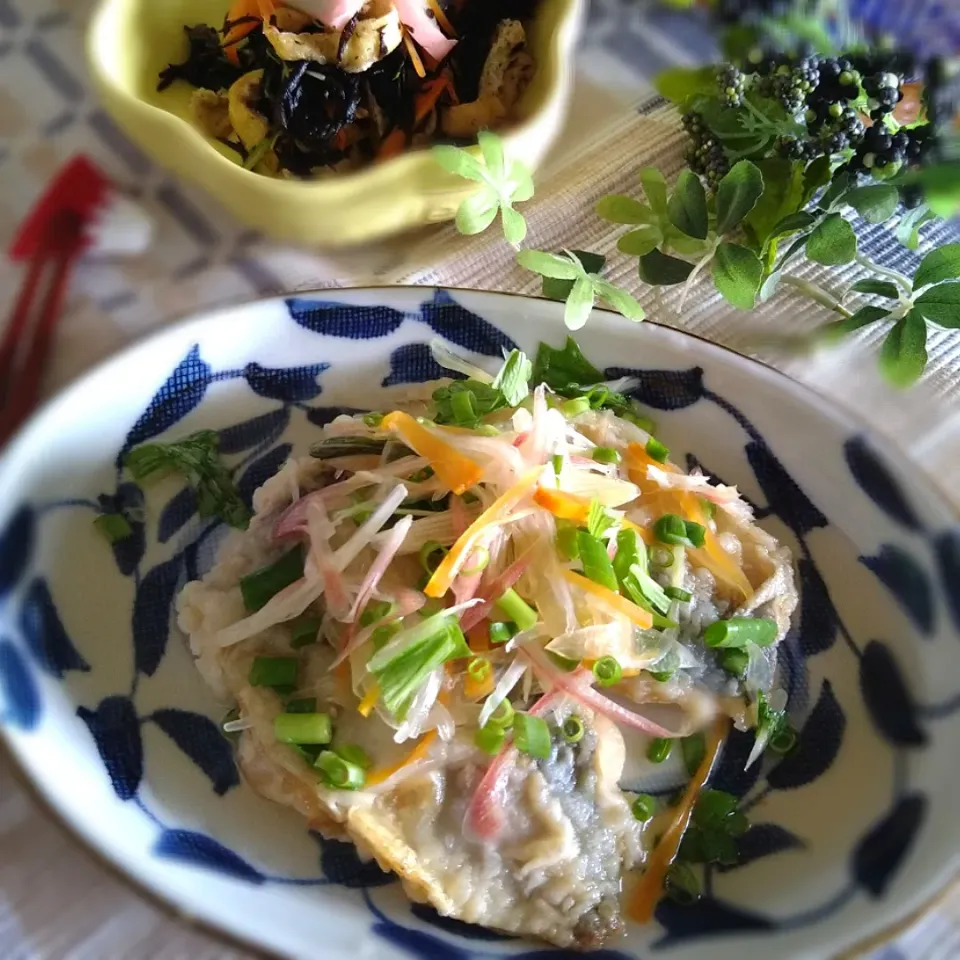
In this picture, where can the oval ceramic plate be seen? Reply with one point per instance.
(106, 714)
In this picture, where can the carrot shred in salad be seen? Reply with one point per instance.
(519, 550)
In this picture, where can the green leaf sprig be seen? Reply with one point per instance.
(503, 183)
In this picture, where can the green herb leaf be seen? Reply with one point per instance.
(680, 83)
(782, 196)
(687, 207)
(655, 188)
(910, 225)
(460, 162)
(832, 242)
(938, 265)
(941, 186)
(552, 265)
(876, 203)
(658, 269)
(197, 459)
(477, 212)
(491, 148)
(839, 186)
(640, 242)
(579, 304)
(832, 332)
(514, 226)
(620, 300)
(738, 193)
(880, 288)
(737, 273)
(520, 182)
(941, 304)
(598, 519)
(478, 398)
(904, 352)
(816, 175)
(564, 368)
(513, 380)
(618, 208)
(792, 223)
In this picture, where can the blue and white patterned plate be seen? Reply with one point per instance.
(102, 707)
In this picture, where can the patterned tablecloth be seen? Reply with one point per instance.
(56, 901)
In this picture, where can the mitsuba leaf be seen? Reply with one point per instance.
(938, 265)
(876, 203)
(862, 318)
(904, 352)
(618, 208)
(738, 193)
(879, 288)
(782, 196)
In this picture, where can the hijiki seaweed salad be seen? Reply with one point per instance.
(465, 631)
(304, 87)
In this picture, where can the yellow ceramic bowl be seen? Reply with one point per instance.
(130, 41)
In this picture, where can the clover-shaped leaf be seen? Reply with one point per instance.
(502, 183)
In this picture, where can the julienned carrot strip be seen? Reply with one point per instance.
(650, 888)
(240, 10)
(568, 506)
(369, 701)
(711, 555)
(392, 144)
(443, 576)
(428, 96)
(417, 753)
(413, 55)
(458, 472)
(445, 25)
(267, 9)
(474, 690)
(478, 637)
(636, 614)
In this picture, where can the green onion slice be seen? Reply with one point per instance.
(354, 754)
(739, 631)
(339, 773)
(261, 586)
(605, 455)
(273, 672)
(531, 735)
(596, 562)
(490, 739)
(479, 669)
(644, 807)
(303, 728)
(572, 729)
(676, 593)
(513, 606)
(502, 632)
(483, 559)
(657, 451)
(573, 408)
(659, 749)
(608, 671)
(431, 555)
(304, 631)
(503, 716)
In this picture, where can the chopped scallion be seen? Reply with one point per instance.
(375, 611)
(659, 749)
(503, 716)
(373, 419)
(309, 728)
(739, 631)
(608, 671)
(574, 407)
(463, 407)
(354, 754)
(661, 676)
(490, 739)
(783, 742)
(479, 669)
(483, 559)
(734, 661)
(657, 451)
(696, 533)
(708, 507)
(572, 729)
(502, 632)
(383, 635)
(512, 605)
(596, 562)
(676, 593)
(273, 672)
(339, 773)
(303, 632)
(567, 540)
(261, 586)
(644, 807)
(694, 749)
(531, 735)
(557, 461)
(431, 555)
(605, 455)
(661, 557)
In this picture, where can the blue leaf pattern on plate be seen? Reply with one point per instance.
(16, 548)
(419, 944)
(705, 917)
(887, 698)
(880, 853)
(784, 496)
(260, 471)
(182, 392)
(556, 954)
(201, 740)
(818, 623)
(729, 774)
(341, 864)
(350, 320)
(128, 500)
(906, 579)
(115, 729)
(251, 433)
(151, 614)
(879, 484)
(468, 330)
(45, 635)
(469, 931)
(203, 851)
(290, 384)
(763, 840)
(20, 704)
(947, 549)
(178, 512)
(663, 389)
(818, 744)
(414, 363)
